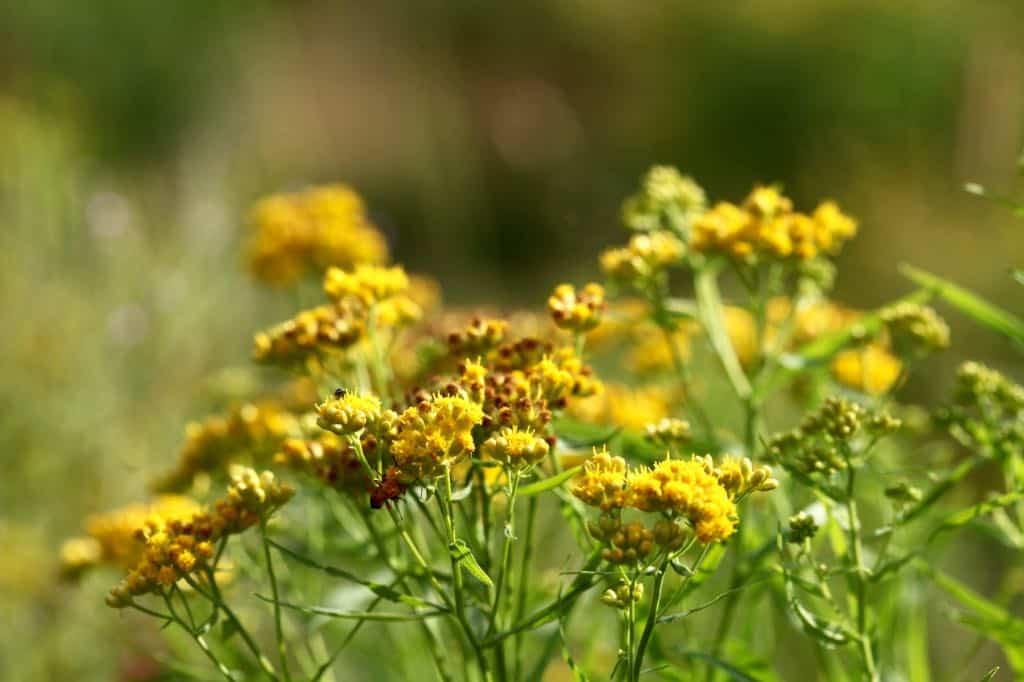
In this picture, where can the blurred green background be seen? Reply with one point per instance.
(493, 142)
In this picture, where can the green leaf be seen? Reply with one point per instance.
(580, 434)
(987, 617)
(577, 673)
(355, 615)
(580, 584)
(548, 483)
(990, 675)
(461, 552)
(972, 305)
(965, 516)
(729, 669)
(709, 304)
(379, 589)
(827, 345)
(827, 632)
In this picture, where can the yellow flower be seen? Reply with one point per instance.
(688, 489)
(834, 227)
(871, 369)
(367, 284)
(325, 329)
(295, 234)
(644, 257)
(515, 448)
(348, 411)
(480, 336)
(603, 481)
(329, 458)
(577, 311)
(433, 435)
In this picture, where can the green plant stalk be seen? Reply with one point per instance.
(217, 599)
(428, 634)
(282, 653)
(457, 584)
(199, 640)
(652, 617)
(503, 579)
(524, 570)
(860, 577)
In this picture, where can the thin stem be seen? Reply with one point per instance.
(524, 570)
(506, 556)
(652, 617)
(223, 669)
(282, 653)
(218, 600)
(860, 576)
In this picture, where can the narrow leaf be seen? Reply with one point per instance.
(461, 552)
(969, 303)
(549, 483)
(828, 632)
(381, 590)
(732, 671)
(355, 615)
(709, 304)
(965, 516)
(990, 675)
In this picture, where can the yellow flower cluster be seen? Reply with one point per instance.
(694, 490)
(111, 536)
(326, 328)
(644, 257)
(668, 432)
(515, 448)
(348, 411)
(767, 225)
(740, 477)
(577, 311)
(174, 548)
(870, 369)
(480, 336)
(329, 458)
(603, 482)
(434, 434)
(688, 489)
(368, 284)
(296, 234)
(253, 431)
(632, 408)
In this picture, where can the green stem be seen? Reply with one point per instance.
(506, 556)
(282, 652)
(216, 598)
(524, 570)
(652, 617)
(860, 577)
(199, 640)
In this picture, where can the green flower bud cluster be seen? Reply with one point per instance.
(622, 596)
(802, 527)
(915, 329)
(824, 440)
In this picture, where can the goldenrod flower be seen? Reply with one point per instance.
(577, 311)
(367, 284)
(603, 481)
(479, 337)
(254, 430)
(173, 547)
(433, 435)
(324, 329)
(802, 527)
(740, 477)
(348, 411)
(330, 458)
(871, 369)
(685, 488)
(646, 256)
(515, 448)
(631, 543)
(296, 234)
(668, 431)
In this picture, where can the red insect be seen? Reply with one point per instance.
(389, 490)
